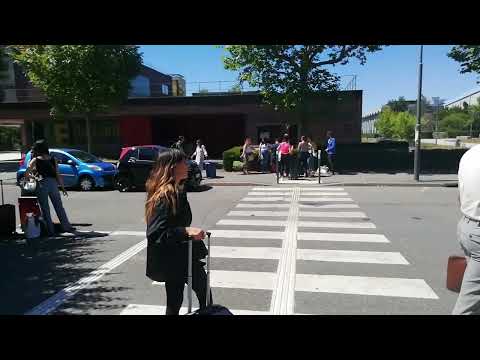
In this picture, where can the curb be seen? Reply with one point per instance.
(453, 184)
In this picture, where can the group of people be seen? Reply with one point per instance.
(282, 152)
(199, 155)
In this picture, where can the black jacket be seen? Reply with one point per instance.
(167, 249)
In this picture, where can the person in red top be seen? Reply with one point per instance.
(284, 149)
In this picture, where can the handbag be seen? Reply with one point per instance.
(455, 270)
(30, 185)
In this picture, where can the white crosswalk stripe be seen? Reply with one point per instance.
(240, 280)
(140, 309)
(366, 257)
(318, 203)
(365, 285)
(247, 234)
(342, 237)
(304, 206)
(236, 252)
(335, 225)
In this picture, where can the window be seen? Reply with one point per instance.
(140, 86)
(61, 158)
(164, 89)
(147, 154)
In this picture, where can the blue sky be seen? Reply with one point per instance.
(387, 74)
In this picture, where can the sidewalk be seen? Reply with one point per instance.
(350, 179)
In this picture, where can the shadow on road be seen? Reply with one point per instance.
(32, 272)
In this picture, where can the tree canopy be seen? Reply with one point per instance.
(468, 56)
(287, 74)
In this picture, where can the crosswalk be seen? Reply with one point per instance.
(302, 230)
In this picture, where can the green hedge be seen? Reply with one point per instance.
(392, 160)
(237, 166)
(231, 155)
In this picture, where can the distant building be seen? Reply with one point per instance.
(469, 98)
(179, 87)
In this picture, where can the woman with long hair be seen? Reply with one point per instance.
(247, 155)
(168, 216)
(285, 149)
(45, 168)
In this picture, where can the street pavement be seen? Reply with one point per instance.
(286, 249)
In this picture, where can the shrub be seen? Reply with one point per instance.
(231, 155)
(237, 166)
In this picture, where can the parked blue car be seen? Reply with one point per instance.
(78, 168)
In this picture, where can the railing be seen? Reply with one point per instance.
(155, 90)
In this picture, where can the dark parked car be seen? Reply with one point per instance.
(136, 162)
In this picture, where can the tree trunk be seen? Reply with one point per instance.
(89, 135)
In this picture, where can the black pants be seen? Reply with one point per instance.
(175, 289)
(285, 164)
(304, 162)
(331, 159)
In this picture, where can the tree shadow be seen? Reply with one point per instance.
(36, 270)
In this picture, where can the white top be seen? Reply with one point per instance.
(469, 183)
(200, 154)
(264, 147)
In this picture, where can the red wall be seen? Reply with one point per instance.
(136, 130)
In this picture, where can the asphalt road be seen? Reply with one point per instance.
(403, 274)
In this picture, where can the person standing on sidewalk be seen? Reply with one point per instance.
(303, 148)
(468, 231)
(264, 151)
(168, 216)
(331, 151)
(179, 144)
(285, 150)
(45, 168)
(247, 155)
(200, 154)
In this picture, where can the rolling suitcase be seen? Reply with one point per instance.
(211, 309)
(455, 270)
(7, 217)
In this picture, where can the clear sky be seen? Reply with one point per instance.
(387, 74)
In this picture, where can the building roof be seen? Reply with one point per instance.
(465, 95)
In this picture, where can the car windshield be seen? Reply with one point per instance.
(83, 156)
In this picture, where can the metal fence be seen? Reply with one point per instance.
(154, 90)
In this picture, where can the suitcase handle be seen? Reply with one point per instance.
(190, 263)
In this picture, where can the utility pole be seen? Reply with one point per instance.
(419, 114)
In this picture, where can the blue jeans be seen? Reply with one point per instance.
(48, 187)
(265, 160)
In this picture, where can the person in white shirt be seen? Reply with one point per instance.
(468, 231)
(200, 154)
(264, 154)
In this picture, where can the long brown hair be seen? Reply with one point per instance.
(161, 185)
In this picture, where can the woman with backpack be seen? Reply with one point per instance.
(168, 216)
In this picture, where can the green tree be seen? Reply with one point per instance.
(385, 123)
(288, 74)
(404, 126)
(80, 79)
(468, 56)
(398, 105)
(455, 123)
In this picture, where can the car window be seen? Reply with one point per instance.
(147, 154)
(131, 154)
(84, 156)
(61, 158)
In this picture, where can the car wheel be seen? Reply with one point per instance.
(86, 183)
(123, 184)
